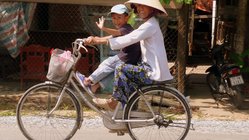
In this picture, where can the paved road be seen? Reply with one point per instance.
(207, 130)
(13, 133)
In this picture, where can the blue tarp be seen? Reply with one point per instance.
(15, 18)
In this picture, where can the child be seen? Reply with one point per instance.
(154, 66)
(130, 55)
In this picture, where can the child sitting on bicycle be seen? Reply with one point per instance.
(129, 55)
(154, 66)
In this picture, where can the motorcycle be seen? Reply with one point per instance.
(224, 79)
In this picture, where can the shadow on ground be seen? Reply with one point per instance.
(200, 97)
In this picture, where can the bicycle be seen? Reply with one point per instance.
(51, 110)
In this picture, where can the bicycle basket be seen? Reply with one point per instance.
(59, 66)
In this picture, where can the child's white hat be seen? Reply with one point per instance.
(119, 9)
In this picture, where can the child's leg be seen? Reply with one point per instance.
(105, 82)
(104, 69)
(95, 87)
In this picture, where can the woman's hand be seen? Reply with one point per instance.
(89, 41)
(101, 22)
(93, 40)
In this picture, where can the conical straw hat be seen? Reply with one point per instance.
(151, 3)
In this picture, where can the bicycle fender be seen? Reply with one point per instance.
(171, 88)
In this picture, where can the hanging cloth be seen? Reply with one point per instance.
(14, 23)
(204, 5)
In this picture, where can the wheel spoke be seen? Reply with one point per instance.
(34, 120)
(172, 115)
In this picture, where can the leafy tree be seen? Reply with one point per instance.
(239, 59)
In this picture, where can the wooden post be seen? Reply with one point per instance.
(182, 16)
(191, 29)
(241, 27)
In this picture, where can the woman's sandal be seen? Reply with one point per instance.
(106, 104)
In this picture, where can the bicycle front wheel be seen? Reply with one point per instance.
(158, 113)
(33, 115)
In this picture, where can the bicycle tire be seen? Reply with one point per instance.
(172, 113)
(33, 108)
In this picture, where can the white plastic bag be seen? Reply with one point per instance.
(59, 66)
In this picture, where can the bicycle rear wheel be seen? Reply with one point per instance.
(163, 114)
(33, 113)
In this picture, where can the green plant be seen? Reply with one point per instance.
(239, 59)
(132, 18)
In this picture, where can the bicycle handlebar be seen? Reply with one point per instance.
(79, 43)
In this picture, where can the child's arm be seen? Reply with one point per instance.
(113, 32)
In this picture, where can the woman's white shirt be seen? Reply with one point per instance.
(152, 46)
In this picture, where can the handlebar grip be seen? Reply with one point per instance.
(80, 42)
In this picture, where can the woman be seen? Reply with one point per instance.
(154, 66)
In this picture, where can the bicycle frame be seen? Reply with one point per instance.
(71, 81)
(113, 118)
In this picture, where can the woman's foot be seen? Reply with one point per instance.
(107, 104)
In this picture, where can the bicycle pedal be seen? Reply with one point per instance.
(120, 133)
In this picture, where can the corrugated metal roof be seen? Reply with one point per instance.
(172, 4)
(85, 2)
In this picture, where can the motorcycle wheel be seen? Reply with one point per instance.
(213, 84)
(237, 97)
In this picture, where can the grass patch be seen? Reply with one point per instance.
(7, 113)
(8, 105)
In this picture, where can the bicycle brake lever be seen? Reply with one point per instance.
(94, 47)
(82, 46)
